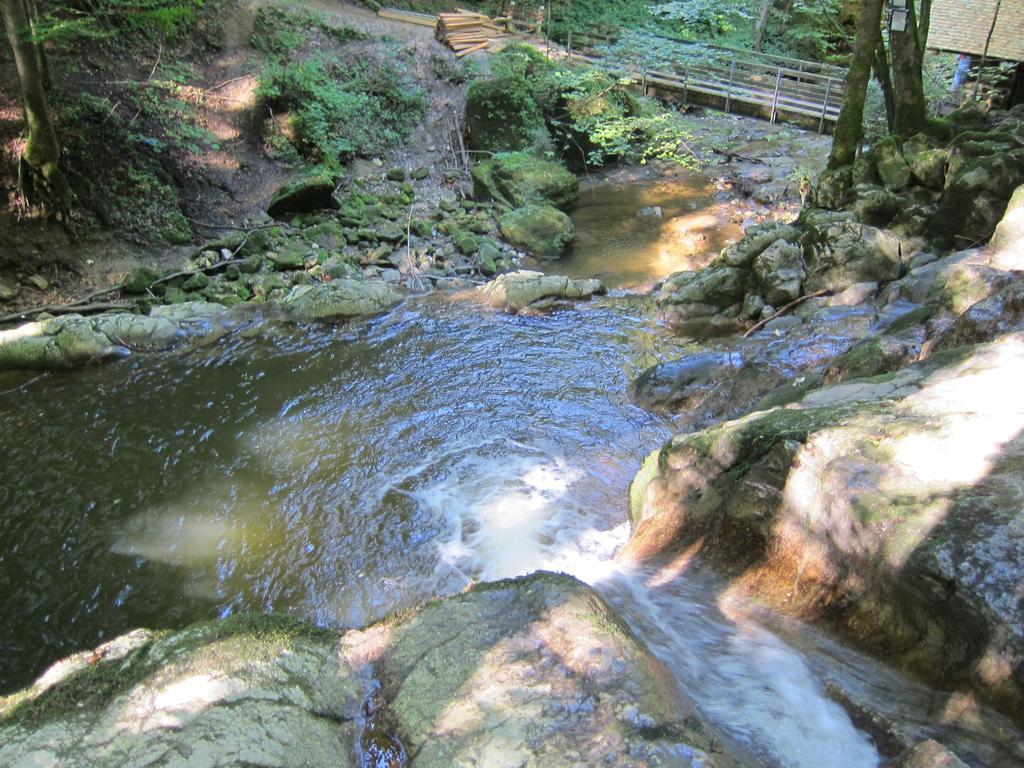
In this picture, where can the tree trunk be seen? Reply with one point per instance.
(850, 125)
(41, 177)
(762, 22)
(907, 81)
(884, 78)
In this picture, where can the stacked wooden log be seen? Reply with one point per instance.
(466, 32)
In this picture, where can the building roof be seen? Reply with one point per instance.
(963, 26)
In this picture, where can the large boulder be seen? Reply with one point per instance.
(1008, 240)
(888, 508)
(439, 683)
(780, 272)
(975, 196)
(516, 291)
(995, 315)
(502, 115)
(72, 341)
(715, 289)
(310, 193)
(892, 169)
(517, 179)
(541, 230)
(841, 253)
(338, 300)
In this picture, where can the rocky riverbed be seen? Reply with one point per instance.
(853, 462)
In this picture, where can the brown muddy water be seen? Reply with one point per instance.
(633, 233)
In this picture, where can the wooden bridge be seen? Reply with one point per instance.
(776, 88)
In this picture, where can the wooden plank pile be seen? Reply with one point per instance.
(409, 17)
(466, 32)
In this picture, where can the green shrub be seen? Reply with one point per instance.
(342, 109)
(502, 114)
(278, 32)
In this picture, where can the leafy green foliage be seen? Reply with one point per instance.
(279, 32)
(117, 173)
(168, 105)
(341, 109)
(816, 30)
(702, 18)
(592, 119)
(67, 20)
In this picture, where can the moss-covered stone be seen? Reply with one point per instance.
(271, 690)
(340, 299)
(542, 230)
(517, 179)
(892, 169)
(310, 193)
(466, 242)
(140, 281)
(524, 289)
(502, 115)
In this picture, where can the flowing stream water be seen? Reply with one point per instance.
(344, 472)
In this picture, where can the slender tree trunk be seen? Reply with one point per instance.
(42, 152)
(907, 80)
(762, 22)
(850, 125)
(884, 78)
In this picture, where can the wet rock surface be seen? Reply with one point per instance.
(72, 340)
(533, 672)
(518, 291)
(339, 299)
(887, 507)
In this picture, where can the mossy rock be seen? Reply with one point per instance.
(834, 188)
(140, 281)
(310, 193)
(466, 242)
(488, 258)
(197, 282)
(892, 169)
(179, 232)
(502, 115)
(292, 256)
(542, 230)
(518, 178)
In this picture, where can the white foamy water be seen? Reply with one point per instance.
(343, 474)
(526, 510)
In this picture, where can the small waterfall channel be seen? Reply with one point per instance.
(344, 472)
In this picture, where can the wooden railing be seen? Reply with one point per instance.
(774, 87)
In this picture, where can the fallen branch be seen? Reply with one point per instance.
(757, 326)
(59, 308)
(229, 81)
(192, 272)
(736, 156)
(82, 305)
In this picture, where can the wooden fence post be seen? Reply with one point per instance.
(728, 89)
(824, 107)
(775, 98)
